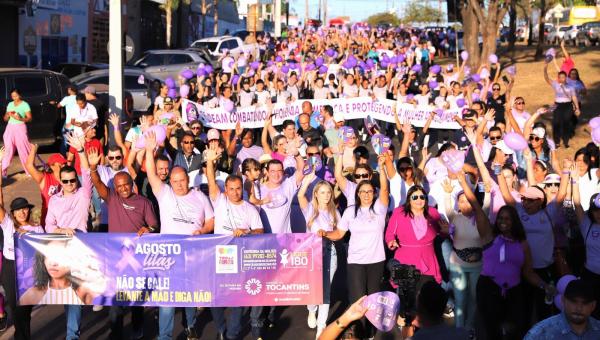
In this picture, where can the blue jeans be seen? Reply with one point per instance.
(331, 259)
(73, 321)
(257, 321)
(464, 284)
(166, 318)
(233, 325)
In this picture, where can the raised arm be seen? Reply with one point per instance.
(384, 191)
(483, 223)
(405, 139)
(155, 182)
(93, 157)
(576, 194)
(264, 136)
(546, 77)
(302, 200)
(483, 171)
(236, 137)
(37, 175)
(212, 155)
(114, 121)
(338, 173)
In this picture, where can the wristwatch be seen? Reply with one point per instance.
(151, 229)
(339, 324)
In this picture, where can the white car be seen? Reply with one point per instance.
(571, 33)
(235, 46)
(557, 34)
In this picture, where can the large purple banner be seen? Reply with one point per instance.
(169, 270)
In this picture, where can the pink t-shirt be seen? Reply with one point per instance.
(182, 215)
(324, 221)
(349, 192)
(276, 214)
(366, 240)
(234, 216)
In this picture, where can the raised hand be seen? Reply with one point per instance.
(212, 154)
(238, 129)
(447, 186)
(490, 115)
(151, 143)
(75, 141)
(93, 157)
(470, 134)
(114, 120)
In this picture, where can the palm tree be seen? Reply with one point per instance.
(170, 6)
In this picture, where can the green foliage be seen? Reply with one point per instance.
(419, 12)
(383, 18)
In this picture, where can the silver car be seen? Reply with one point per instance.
(131, 83)
(169, 63)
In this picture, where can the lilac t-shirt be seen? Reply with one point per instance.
(349, 192)
(276, 214)
(591, 236)
(182, 215)
(234, 216)
(8, 230)
(324, 221)
(540, 234)
(366, 240)
(253, 151)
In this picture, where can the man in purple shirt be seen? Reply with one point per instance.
(68, 213)
(127, 212)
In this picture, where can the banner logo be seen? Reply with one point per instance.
(226, 260)
(253, 286)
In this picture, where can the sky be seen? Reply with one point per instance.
(357, 10)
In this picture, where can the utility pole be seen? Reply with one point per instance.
(320, 6)
(115, 59)
(277, 18)
(306, 17)
(216, 18)
(325, 12)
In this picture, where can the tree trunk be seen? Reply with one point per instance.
(539, 50)
(169, 20)
(184, 24)
(512, 24)
(203, 18)
(216, 18)
(471, 31)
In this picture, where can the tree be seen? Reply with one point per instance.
(417, 12)
(489, 15)
(383, 18)
(216, 18)
(471, 32)
(169, 7)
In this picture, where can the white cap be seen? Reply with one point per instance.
(501, 145)
(338, 117)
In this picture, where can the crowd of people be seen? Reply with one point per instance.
(489, 239)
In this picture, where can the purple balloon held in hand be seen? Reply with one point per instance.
(433, 84)
(184, 90)
(254, 65)
(493, 59)
(515, 141)
(382, 310)
(170, 82)
(460, 102)
(453, 160)
(208, 69)
(464, 55)
(416, 68)
(435, 69)
(594, 122)
(323, 69)
(187, 74)
(172, 93)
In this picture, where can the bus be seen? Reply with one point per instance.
(578, 15)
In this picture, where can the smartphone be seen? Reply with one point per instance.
(505, 79)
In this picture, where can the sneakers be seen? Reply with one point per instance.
(3, 322)
(312, 319)
(190, 334)
(319, 331)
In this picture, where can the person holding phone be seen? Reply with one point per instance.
(18, 113)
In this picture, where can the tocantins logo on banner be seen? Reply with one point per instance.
(253, 286)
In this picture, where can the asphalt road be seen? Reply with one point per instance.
(48, 322)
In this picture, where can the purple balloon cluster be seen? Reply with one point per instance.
(595, 125)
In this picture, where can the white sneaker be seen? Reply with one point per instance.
(319, 331)
(312, 319)
(97, 308)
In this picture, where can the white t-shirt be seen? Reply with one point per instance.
(160, 102)
(234, 216)
(320, 93)
(367, 228)
(8, 229)
(263, 97)
(70, 105)
(588, 186)
(182, 215)
(324, 221)
(276, 214)
(380, 92)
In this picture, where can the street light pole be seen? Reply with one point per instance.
(277, 17)
(115, 59)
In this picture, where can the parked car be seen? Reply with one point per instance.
(556, 34)
(535, 34)
(588, 34)
(74, 69)
(38, 88)
(572, 34)
(242, 34)
(140, 92)
(169, 63)
(234, 45)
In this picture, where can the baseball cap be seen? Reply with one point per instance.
(539, 132)
(212, 134)
(20, 203)
(56, 158)
(533, 193)
(338, 117)
(264, 158)
(501, 145)
(580, 289)
(552, 178)
(168, 100)
(89, 89)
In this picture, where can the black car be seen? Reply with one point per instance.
(74, 69)
(38, 88)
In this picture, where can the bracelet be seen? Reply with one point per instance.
(573, 181)
(94, 170)
(115, 128)
(80, 151)
(339, 324)
(566, 172)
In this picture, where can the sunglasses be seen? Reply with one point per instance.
(493, 138)
(111, 158)
(69, 181)
(417, 197)
(361, 176)
(520, 103)
(549, 185)
(366, 192)
(404, 169)
(195, 128)
(495, 89)
(309, 154)
(534, 138)
(188, 142)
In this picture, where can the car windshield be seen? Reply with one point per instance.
(210, 45)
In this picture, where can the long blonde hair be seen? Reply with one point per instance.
(315, 204)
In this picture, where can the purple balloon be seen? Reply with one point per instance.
(370, 63)
(208, 69)
(493, 58)
(293, 65)
(512, 70)
(278, 59)
(453, 159)
(464, 55)
(184, 90)
(460, 102)
(285, 69)
(235, 79)
(254, 65)
(319, 61)
(330, 52)
(562, 283)
(172, 93)
(416, 68)
(310, 67)
(596, 136)
(410, 96)
(435, 69)
(384, 64)
(201, 72)
(170, 82)
(270, 63)
(347, 64)
(362, 65)
(476, 77)
(382, 310)
(187, 74)
(594, 122)
(159, 130)
(433, 84)
(323, 69)
(515, 141)
(228, 106)
(401, 58)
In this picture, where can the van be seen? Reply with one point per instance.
(38, 88)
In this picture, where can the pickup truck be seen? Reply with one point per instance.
(234, 45)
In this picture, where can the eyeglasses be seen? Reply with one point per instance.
(69, 181)
(195, 128)
(493, 138)
(404, 169)
(112, 158)
(361, 176)
(188, 142)
(552, 185)
(370, 192)
(417, 197)
(520, 103)
(534, 138)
